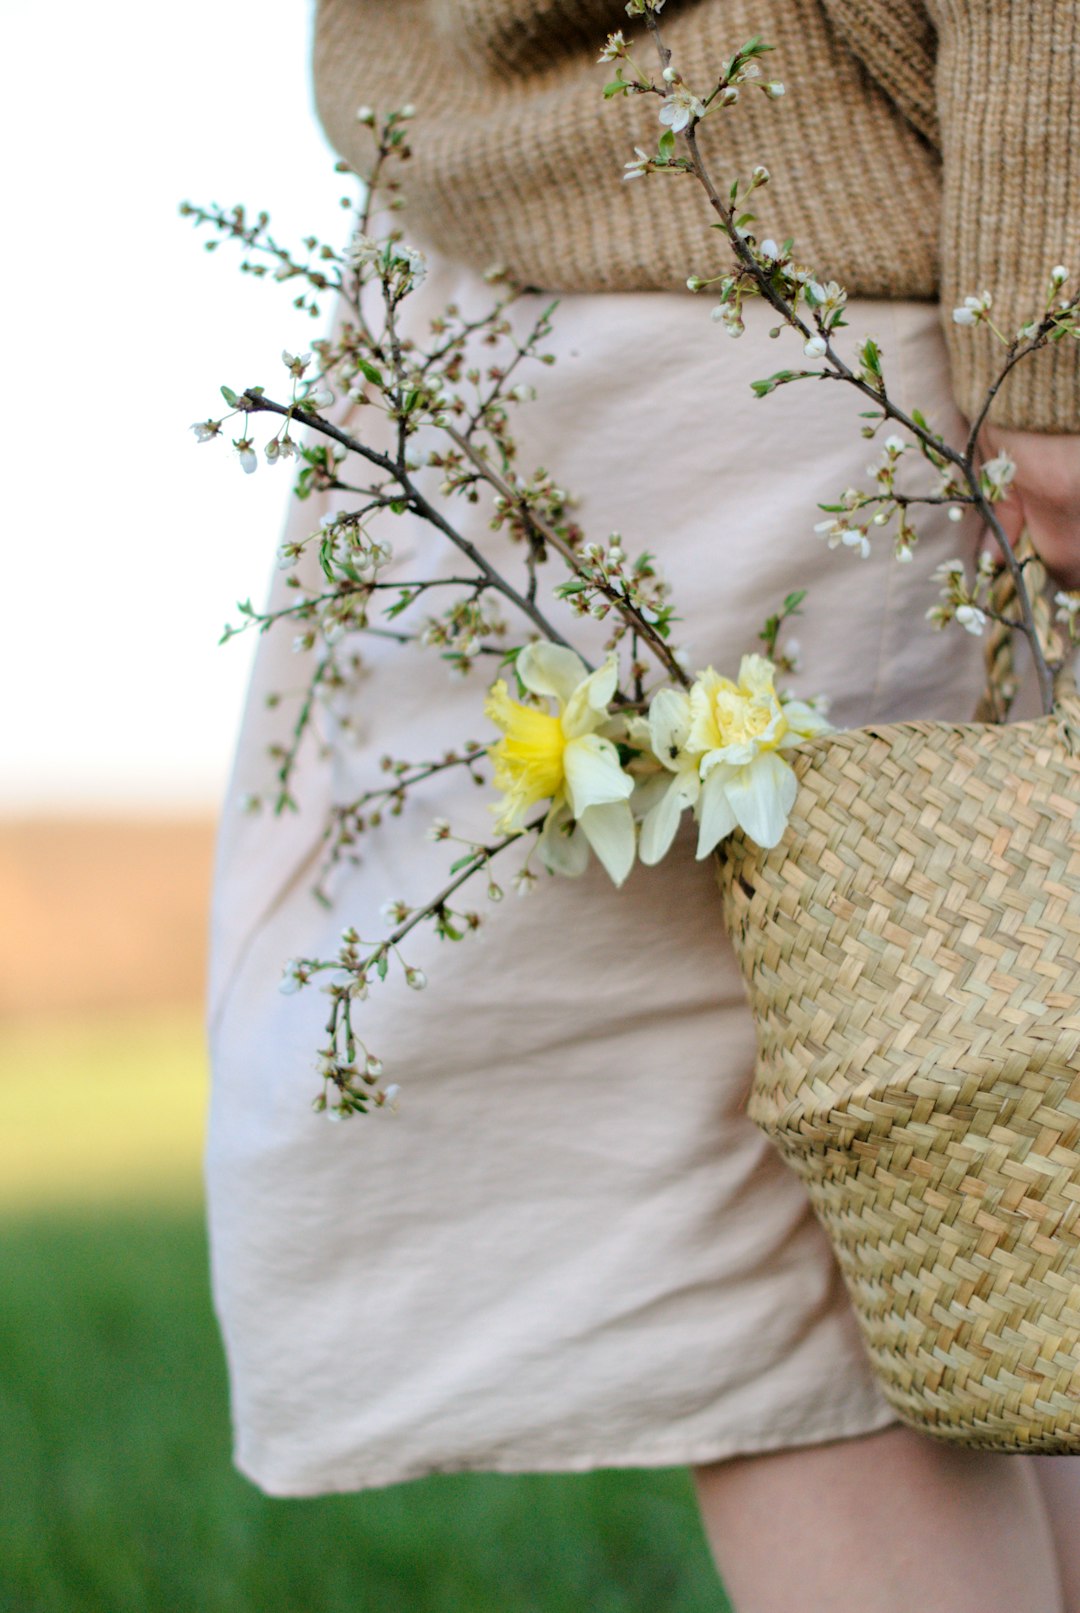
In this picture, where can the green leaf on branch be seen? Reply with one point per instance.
(761, 389)
(230, 396)
(403, 601)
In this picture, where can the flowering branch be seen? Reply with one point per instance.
(772, 275)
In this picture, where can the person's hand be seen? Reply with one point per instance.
(1044, 496)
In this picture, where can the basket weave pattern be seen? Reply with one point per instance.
(912, 955)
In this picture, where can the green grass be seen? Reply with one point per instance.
(116, 1490)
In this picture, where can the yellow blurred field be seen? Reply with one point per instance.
(102, 959)
(102, 1110)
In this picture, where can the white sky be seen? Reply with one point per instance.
(128, 544)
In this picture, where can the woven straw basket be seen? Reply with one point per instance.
(912, 954)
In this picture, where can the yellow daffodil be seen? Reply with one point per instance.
(563, 758)
(738, 731)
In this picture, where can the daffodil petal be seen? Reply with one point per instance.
(704, 734)
(609, 830)
(669, 726)
(762, 796)
(587, 707)
(551, 669)
(637, 732)
(715, 817)
(593, 775)
(660, 824)
(737, 755)
(648, 791)
(756, 677)
(561, 844)
(804, 722)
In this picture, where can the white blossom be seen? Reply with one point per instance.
(816, 347)
(971, 618)
(972, 310)
(294, 975)
(680, 107)
(996, 475)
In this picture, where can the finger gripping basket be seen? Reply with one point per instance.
(912, 955)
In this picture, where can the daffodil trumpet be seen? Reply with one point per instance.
(566, 757)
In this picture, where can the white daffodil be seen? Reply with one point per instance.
(670, 719)
(564, 758)
(739, 730)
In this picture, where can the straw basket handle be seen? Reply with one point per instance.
(997, 697)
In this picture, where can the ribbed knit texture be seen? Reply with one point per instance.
(924, 148)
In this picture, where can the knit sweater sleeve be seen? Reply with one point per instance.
(1008, 94)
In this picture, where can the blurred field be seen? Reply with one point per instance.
(102, 914)
(117, 1494)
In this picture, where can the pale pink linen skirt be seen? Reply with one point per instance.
(569, 1248)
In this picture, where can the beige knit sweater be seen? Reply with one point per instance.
(924, 148)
